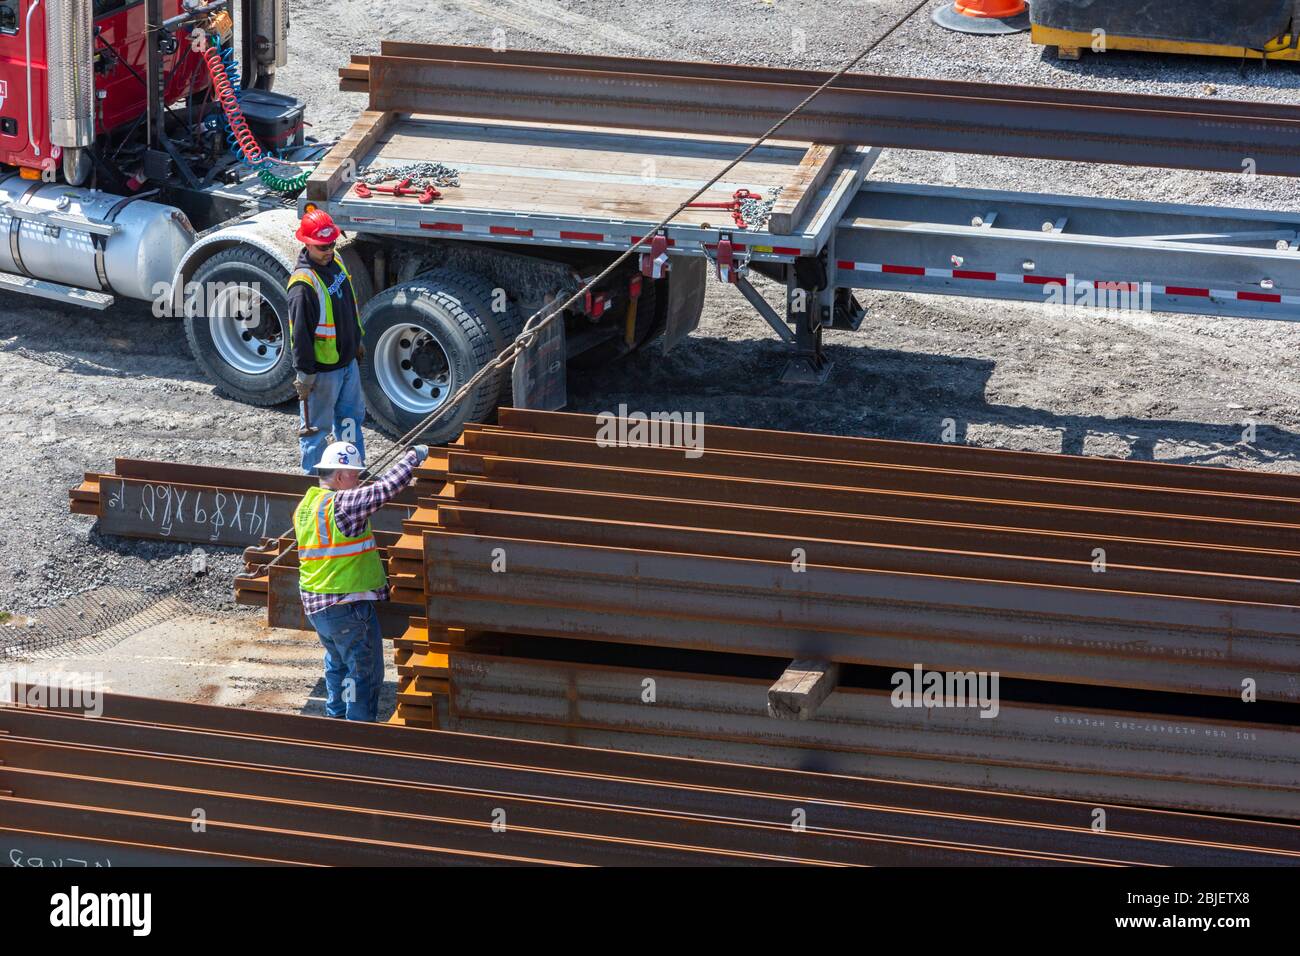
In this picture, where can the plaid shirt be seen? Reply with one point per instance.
(352, 509)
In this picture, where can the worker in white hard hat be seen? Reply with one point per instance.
(341, 575)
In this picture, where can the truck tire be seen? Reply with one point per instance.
(503, 327)
(237, 325)
(362, 282)
(424, 339)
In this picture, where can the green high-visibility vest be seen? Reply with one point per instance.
(329, 562)
(326, 345)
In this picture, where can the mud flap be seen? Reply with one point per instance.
(538, 377)
(687, 276)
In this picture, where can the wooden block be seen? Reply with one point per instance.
(354, 145)
(801, 689)
(797, 195)
(1068, 52)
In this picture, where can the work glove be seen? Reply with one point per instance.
(422, 451)
(303, 384)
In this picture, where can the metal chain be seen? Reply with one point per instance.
(421, 174)
(540, 319)
(756, 212)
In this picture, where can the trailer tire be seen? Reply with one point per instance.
(215, 325)
(502, 326)
(424, 339)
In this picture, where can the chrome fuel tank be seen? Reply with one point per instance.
(90, 239)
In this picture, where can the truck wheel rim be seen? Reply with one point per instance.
(412, 368)
(245, 330)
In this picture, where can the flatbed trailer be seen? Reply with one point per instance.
(543, 204)
(582, 195)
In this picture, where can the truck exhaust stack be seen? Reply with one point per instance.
(70, 50)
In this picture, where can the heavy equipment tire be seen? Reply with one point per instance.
(424, 339)
(240, 337)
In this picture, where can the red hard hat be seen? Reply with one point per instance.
(318, 229)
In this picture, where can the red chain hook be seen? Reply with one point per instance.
(402, 189)
(738, 197)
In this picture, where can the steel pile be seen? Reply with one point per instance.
(131, 785)
(551, 584)
(886, 111)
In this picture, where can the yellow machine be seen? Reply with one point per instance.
(1240, 29)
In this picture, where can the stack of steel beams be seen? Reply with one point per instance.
(569, 586)
(886, 111)
(1126, 606)
(159, 782)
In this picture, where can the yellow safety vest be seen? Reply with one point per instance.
(326, 344)
(329, 561)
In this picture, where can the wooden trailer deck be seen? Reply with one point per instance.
(557, 184)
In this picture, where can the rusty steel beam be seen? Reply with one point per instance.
(768, 608)
(991, 563)
(291, 789)
(203, 505)
(936, 481)
(87, 827)
(634, 484)
(475, 498)
(988, 461)
(1051, 751)
(948, 116)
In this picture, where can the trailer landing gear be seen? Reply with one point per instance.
(805, 284)
(809, 364)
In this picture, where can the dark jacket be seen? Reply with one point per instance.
(304, 313)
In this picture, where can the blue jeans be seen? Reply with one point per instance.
(337, 407)
(354, 659)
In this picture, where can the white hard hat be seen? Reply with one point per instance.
(341, 454)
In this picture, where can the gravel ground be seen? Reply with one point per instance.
(81, 387)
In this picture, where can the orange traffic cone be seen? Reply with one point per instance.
(983, 16)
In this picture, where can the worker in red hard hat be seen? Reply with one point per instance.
(325, 334)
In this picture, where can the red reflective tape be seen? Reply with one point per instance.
(1183, 290)
(638, 239)
(1044, 280)
(443, 226)
(904, 270)
(1260, 296)
(1117, 286)
(583, 236)
(509, 231)
(846, 264)
(968, 274)
(787, 251)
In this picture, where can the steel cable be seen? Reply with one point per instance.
(540, 319)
